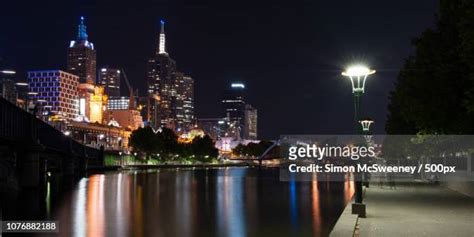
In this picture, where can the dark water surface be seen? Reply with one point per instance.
(189, 202)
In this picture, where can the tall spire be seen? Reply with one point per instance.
(161, 49)
(82, 32)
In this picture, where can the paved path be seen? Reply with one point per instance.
(417, 209)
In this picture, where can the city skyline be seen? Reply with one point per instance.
(316, 80)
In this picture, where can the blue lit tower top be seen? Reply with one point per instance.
(81, 40)
(82, 30)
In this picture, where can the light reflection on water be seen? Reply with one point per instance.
(214, 202)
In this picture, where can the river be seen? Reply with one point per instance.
(188, 202)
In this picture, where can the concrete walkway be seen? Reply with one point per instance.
(416, 209)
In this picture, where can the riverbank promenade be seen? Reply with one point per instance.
(416, 209)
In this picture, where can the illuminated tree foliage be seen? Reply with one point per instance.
(434, 92)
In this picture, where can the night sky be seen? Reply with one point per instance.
(289, 55)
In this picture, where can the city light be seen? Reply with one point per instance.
(358, 74)
(8, 72)
(237, 85)
(21, 84)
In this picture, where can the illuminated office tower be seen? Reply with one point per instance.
(234, 102)
(109, 78)
(55, 90)
(81, 56)
(250, 123)
(170, 101)
(184, 101)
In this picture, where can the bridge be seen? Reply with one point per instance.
(30, 148)
(263, 157)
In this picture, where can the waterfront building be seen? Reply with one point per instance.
(56, 91)
(126, 118)
(97, 135)
(81, 56)
(92, 102)
(109, 78)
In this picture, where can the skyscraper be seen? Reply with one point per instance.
(7, 86)
(241, 118)
(233, 102)
(81, 57)
(250, 123)
(184, 101)
(170, 92)
(109, 78)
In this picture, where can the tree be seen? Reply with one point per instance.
(204, 148)
(167, 143)
(144, 140)
(434, 91)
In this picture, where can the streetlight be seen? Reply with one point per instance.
(358, 75)
(365, 123)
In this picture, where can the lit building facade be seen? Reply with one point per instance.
(184, 102)
(109, 78)
(118, 103)
(127, 118)
(56, 90)
(8, 90)
(92, 102)
(250, 123)
(214, 127)
(81, 56)
(233, 104)
(99, 135)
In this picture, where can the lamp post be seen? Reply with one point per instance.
(358, 75)
(365, 124)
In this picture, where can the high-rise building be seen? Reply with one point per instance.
(250, 123)
(233, 104)
(56, 90)
(184, 101)
(81, 57)
(170, 100)
(8, 89)
(109, 78)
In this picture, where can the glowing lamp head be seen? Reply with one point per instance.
(358, 74)
(357, 71)
(365, 123)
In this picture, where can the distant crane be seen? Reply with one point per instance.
(131, 101)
